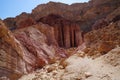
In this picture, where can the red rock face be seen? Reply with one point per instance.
(67, 33)
(37, 52)
(48, 31)
(24, 20)
(100, 24)
(10, 23)
(21, 21)
(25, 52)
(11, 63)
(102, 40)
(25, 23)
(84, 13)
(37, 36)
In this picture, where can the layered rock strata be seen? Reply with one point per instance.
(67, 33)
(24, 51)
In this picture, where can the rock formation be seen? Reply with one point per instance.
(11, 62)
(31, 40)
(24, 51)
(102, 40)
(80, 15)
(103, 37)
(24, 20)
(10, 23)
(48, 31)
(67, 33)
(85, 14)
(99, 24)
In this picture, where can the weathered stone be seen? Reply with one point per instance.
(102, 40)
(100, 24)
(104, 47)
(21, 21)
(34, 43)
(25, 52)
(25, 22)
(67, 33)
(10, 55)
(83, 13)
(48, 31)
(10, 23)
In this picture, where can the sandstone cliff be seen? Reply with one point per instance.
(24, 51)
(67, 33)
(104, 36)
(80, 15)
(11, 61)
(35, 39)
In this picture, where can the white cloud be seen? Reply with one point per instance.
(70, 1)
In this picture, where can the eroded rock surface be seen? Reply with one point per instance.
(102, 40)
(24, 51)
(67, 33)
(39, 38)
(12, 64)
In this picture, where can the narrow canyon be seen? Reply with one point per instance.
(57, 41)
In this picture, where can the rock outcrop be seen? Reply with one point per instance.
(10, 23)
(103, 37)
(101, 41)
(99, 24)
(12, 64)
(24, 20)
(85, 14)
(31, 40)
(67, 19)
(37, 52)
(70, 22)
(67, 33)
(24, 51)
(48, 31)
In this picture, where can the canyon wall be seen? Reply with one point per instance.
(25, 50)
(80, 16)
(104, 36)
(31, 40)
(12, 64)
(67, 33)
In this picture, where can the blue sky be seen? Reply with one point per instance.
(12, 8)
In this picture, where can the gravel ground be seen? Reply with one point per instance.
(106, 67)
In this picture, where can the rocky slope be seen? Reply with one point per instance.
(55, 31)
(83, 13)
(11, 61)
(106, 35)
(106, 67)
(80, 15)
(25, 50)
